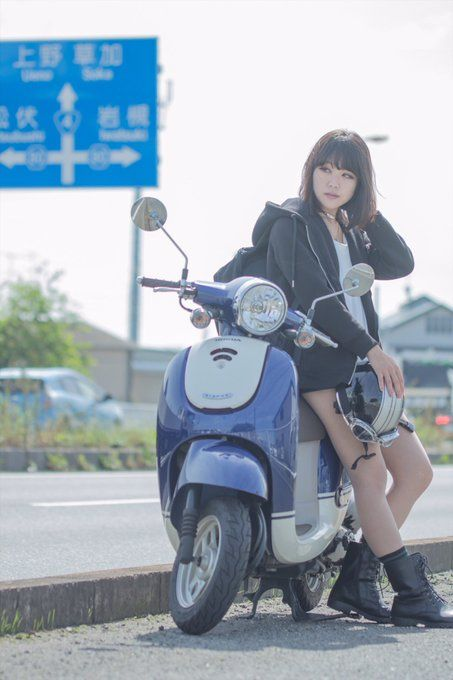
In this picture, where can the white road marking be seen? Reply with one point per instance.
(116, 501)
(111, 476)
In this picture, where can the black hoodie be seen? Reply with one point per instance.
(302, 260)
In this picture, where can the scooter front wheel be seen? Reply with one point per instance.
(202, 591)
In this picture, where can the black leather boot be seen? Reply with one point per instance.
(416, 601)
(356, 588)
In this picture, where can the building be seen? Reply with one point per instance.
(125, 370)
(420, 337)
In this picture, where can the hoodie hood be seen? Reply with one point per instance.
(271, 213)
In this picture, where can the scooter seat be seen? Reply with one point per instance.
(310, 426)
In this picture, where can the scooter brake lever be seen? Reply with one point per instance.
(161, 289)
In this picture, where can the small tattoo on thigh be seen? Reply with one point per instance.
(365, 456)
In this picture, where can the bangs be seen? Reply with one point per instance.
(342, 154)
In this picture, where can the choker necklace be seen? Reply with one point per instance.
(339, 231)
(328, 215)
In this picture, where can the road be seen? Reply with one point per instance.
(61, 523)
(271, 645)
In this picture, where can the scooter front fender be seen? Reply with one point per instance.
(216, 462)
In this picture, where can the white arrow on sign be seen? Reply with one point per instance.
(67, 119)
(67, 97)
(10, 157)
(124, 156)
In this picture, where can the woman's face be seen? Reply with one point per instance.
(333, 187)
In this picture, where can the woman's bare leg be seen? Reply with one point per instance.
(411, 471)
(368, 479)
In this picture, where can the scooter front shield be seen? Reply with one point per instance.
(220, 463)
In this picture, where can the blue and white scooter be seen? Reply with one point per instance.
(250, 484)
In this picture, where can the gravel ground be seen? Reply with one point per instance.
(271, 644)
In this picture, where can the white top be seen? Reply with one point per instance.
(354, 304)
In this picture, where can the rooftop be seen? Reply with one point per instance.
(411, 310)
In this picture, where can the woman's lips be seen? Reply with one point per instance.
(332, 195)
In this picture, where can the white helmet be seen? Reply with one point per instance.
(372, 415)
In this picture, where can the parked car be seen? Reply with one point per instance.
(52, 394)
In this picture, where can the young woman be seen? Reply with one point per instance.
(340, 226)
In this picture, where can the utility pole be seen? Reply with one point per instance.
(134, 302)
(134, 296)
(134, 306)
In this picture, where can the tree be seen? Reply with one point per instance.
(36, 324)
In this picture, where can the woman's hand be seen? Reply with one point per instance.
(387, 370)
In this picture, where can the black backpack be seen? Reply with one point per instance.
(252, 260)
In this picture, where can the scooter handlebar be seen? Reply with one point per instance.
(324, 339)
(298, 321)
(156, 283)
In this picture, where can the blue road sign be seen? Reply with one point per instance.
(78, 113)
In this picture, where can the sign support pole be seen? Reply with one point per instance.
(134, 299)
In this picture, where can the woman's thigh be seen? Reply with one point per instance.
(407, 460)
(370, 472)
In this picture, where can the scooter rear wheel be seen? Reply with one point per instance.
(202, 592)
(309, 590)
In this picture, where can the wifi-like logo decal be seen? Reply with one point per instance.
(225, 353)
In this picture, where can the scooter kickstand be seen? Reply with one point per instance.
(257, 595)
(290, 598)
(265, 585)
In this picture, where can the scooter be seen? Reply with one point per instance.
(250, 484)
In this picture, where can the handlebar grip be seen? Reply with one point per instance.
(325, 340)
(154, 283)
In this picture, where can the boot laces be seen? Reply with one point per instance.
(428, 586)
(382, 578)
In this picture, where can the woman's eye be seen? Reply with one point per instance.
(324, 168)
(348, 176)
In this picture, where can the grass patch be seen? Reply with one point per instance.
(84, 464)
(110, 461)
(18, 430)
(10, 627)
(445, 460)
(56, 462)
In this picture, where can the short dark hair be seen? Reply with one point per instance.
(346, 150)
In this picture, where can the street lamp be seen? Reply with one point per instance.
(376, 139)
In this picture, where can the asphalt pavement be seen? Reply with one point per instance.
(61, 523)
(272, 645)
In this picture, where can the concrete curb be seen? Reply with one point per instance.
(114, 594)
(39, 459)
(92, 597)
(19, 460)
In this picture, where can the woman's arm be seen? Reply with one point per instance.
(331, 316)
(388, 253)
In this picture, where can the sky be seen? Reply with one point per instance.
(255, 84)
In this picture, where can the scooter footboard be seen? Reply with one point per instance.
(216, 462)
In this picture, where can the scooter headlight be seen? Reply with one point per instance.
(260, 308)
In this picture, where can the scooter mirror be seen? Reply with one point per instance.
(358, 279)
(148, 214)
